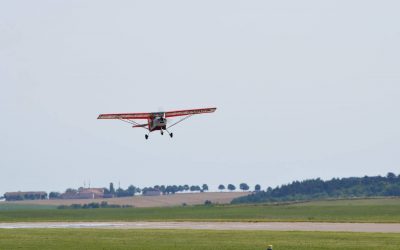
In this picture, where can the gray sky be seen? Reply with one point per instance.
(304, 89)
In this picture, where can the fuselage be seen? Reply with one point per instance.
(157, 123)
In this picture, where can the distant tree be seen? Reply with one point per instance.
(123, 193)
(244, 186)
(106, 191)
(119, 192)
(391, 175)
(171, 189)
(175, 189)
(131, 190)
(221, 187)
(257, 188)
(168, 189)
(194, 188)
(186, 187)
(144, 190)
(71, 191)
(231, 187)
(54, 195)
(112, 190)
(162, 189)
(205, 187)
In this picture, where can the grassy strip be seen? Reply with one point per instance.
(16, 206)
(190, 239)
(383, 210)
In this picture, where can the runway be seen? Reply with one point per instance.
(267, 226)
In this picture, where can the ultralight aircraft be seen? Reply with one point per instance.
(156, 120)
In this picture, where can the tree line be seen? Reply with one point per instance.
(132, 190)
(312, 189)
(242, 186)
(173, 189)
(164, 189)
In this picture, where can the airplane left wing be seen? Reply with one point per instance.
(144, 116)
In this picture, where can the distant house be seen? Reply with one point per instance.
(84, 193)
(30, 195)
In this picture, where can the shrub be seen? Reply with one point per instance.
(207, 202)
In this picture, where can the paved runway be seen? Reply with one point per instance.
(271, 226)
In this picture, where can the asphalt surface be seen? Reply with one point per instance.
(271, 226)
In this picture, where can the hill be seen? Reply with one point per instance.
(375, 186)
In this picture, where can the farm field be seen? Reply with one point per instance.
(146, 201)
(17, 206)
(190, 239)
(383, 210)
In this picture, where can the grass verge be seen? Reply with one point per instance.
(190, 239)
(375, 210)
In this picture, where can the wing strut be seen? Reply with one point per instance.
(181, 120)
(133, 123)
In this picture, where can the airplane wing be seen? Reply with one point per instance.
(189, 112)
(144, 116)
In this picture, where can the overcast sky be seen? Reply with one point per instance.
(304, 89)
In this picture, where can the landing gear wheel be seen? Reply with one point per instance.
(162, 132)
(171, 135)
(146, 136)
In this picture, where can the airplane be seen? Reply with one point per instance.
(156, 120)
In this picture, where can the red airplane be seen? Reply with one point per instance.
(156, 120)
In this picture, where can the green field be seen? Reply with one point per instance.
(16, 206)
(367, 210)
(190, 239)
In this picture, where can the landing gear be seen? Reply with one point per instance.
(170, 134)
(146, 136)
